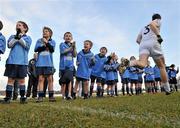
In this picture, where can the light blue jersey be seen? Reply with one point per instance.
(126, 73)
(66, 59)
(157, 72)
(115, 70)
(85, 63)
(98, 68)
(2, 43)
(45, 56)
(133, 73)
(172, 73)
(140, 72)
(109, 68)
(149, 71)
(19, 51)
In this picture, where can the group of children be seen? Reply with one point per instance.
(152, 79)
(94, 68)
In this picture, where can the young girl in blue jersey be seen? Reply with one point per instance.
(149, 73)
(172, 77)
(2, 41)
(116, 75)
(45, 47)
(157, 78)
(85, 61)
(109, 67)
(17, 61)
(125, 81)
(133, 77)
(98, 72)
(66, 65)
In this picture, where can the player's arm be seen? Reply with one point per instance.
(107, 67)
(78, 60)
(64, 50)
(154, 27)
(67, 50)
(39, 47)
(51, 45)
(92, 60)
(51, 48)
(11, 42)
(140, 70)
(131, 70)
(74, 53)
(139, 38)
(116, 66)
(146, 72)
(25, 42)
(2, 45)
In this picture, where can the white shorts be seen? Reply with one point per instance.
(151, 48)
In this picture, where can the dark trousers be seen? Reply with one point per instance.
(32, 86)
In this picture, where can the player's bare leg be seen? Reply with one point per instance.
(160, 62)
(63, 86)
(86, 84)
(75, 89)
(142, 62)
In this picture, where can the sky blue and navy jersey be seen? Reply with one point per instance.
(140, 73)
(157, 72)
(66, 59)
(19, 54)
(149, 73)
(2, 43)
(45, 53)
(126, 73)
(109, 68)
(98, 68)
(116, 70)
(133, 73)
(172, 73)
(85, 63)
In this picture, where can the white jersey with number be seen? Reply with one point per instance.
(149, 44)
(148, 34)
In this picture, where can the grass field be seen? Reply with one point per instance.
(145, 111)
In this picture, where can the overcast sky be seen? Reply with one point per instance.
(111, 23)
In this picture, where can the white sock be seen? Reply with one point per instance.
(166, 87)
(69, 94)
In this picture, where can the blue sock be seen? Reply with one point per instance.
(9, 89)
(40, 93)
(22, 89)
(51, 94)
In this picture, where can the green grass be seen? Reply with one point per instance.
(145, 111)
